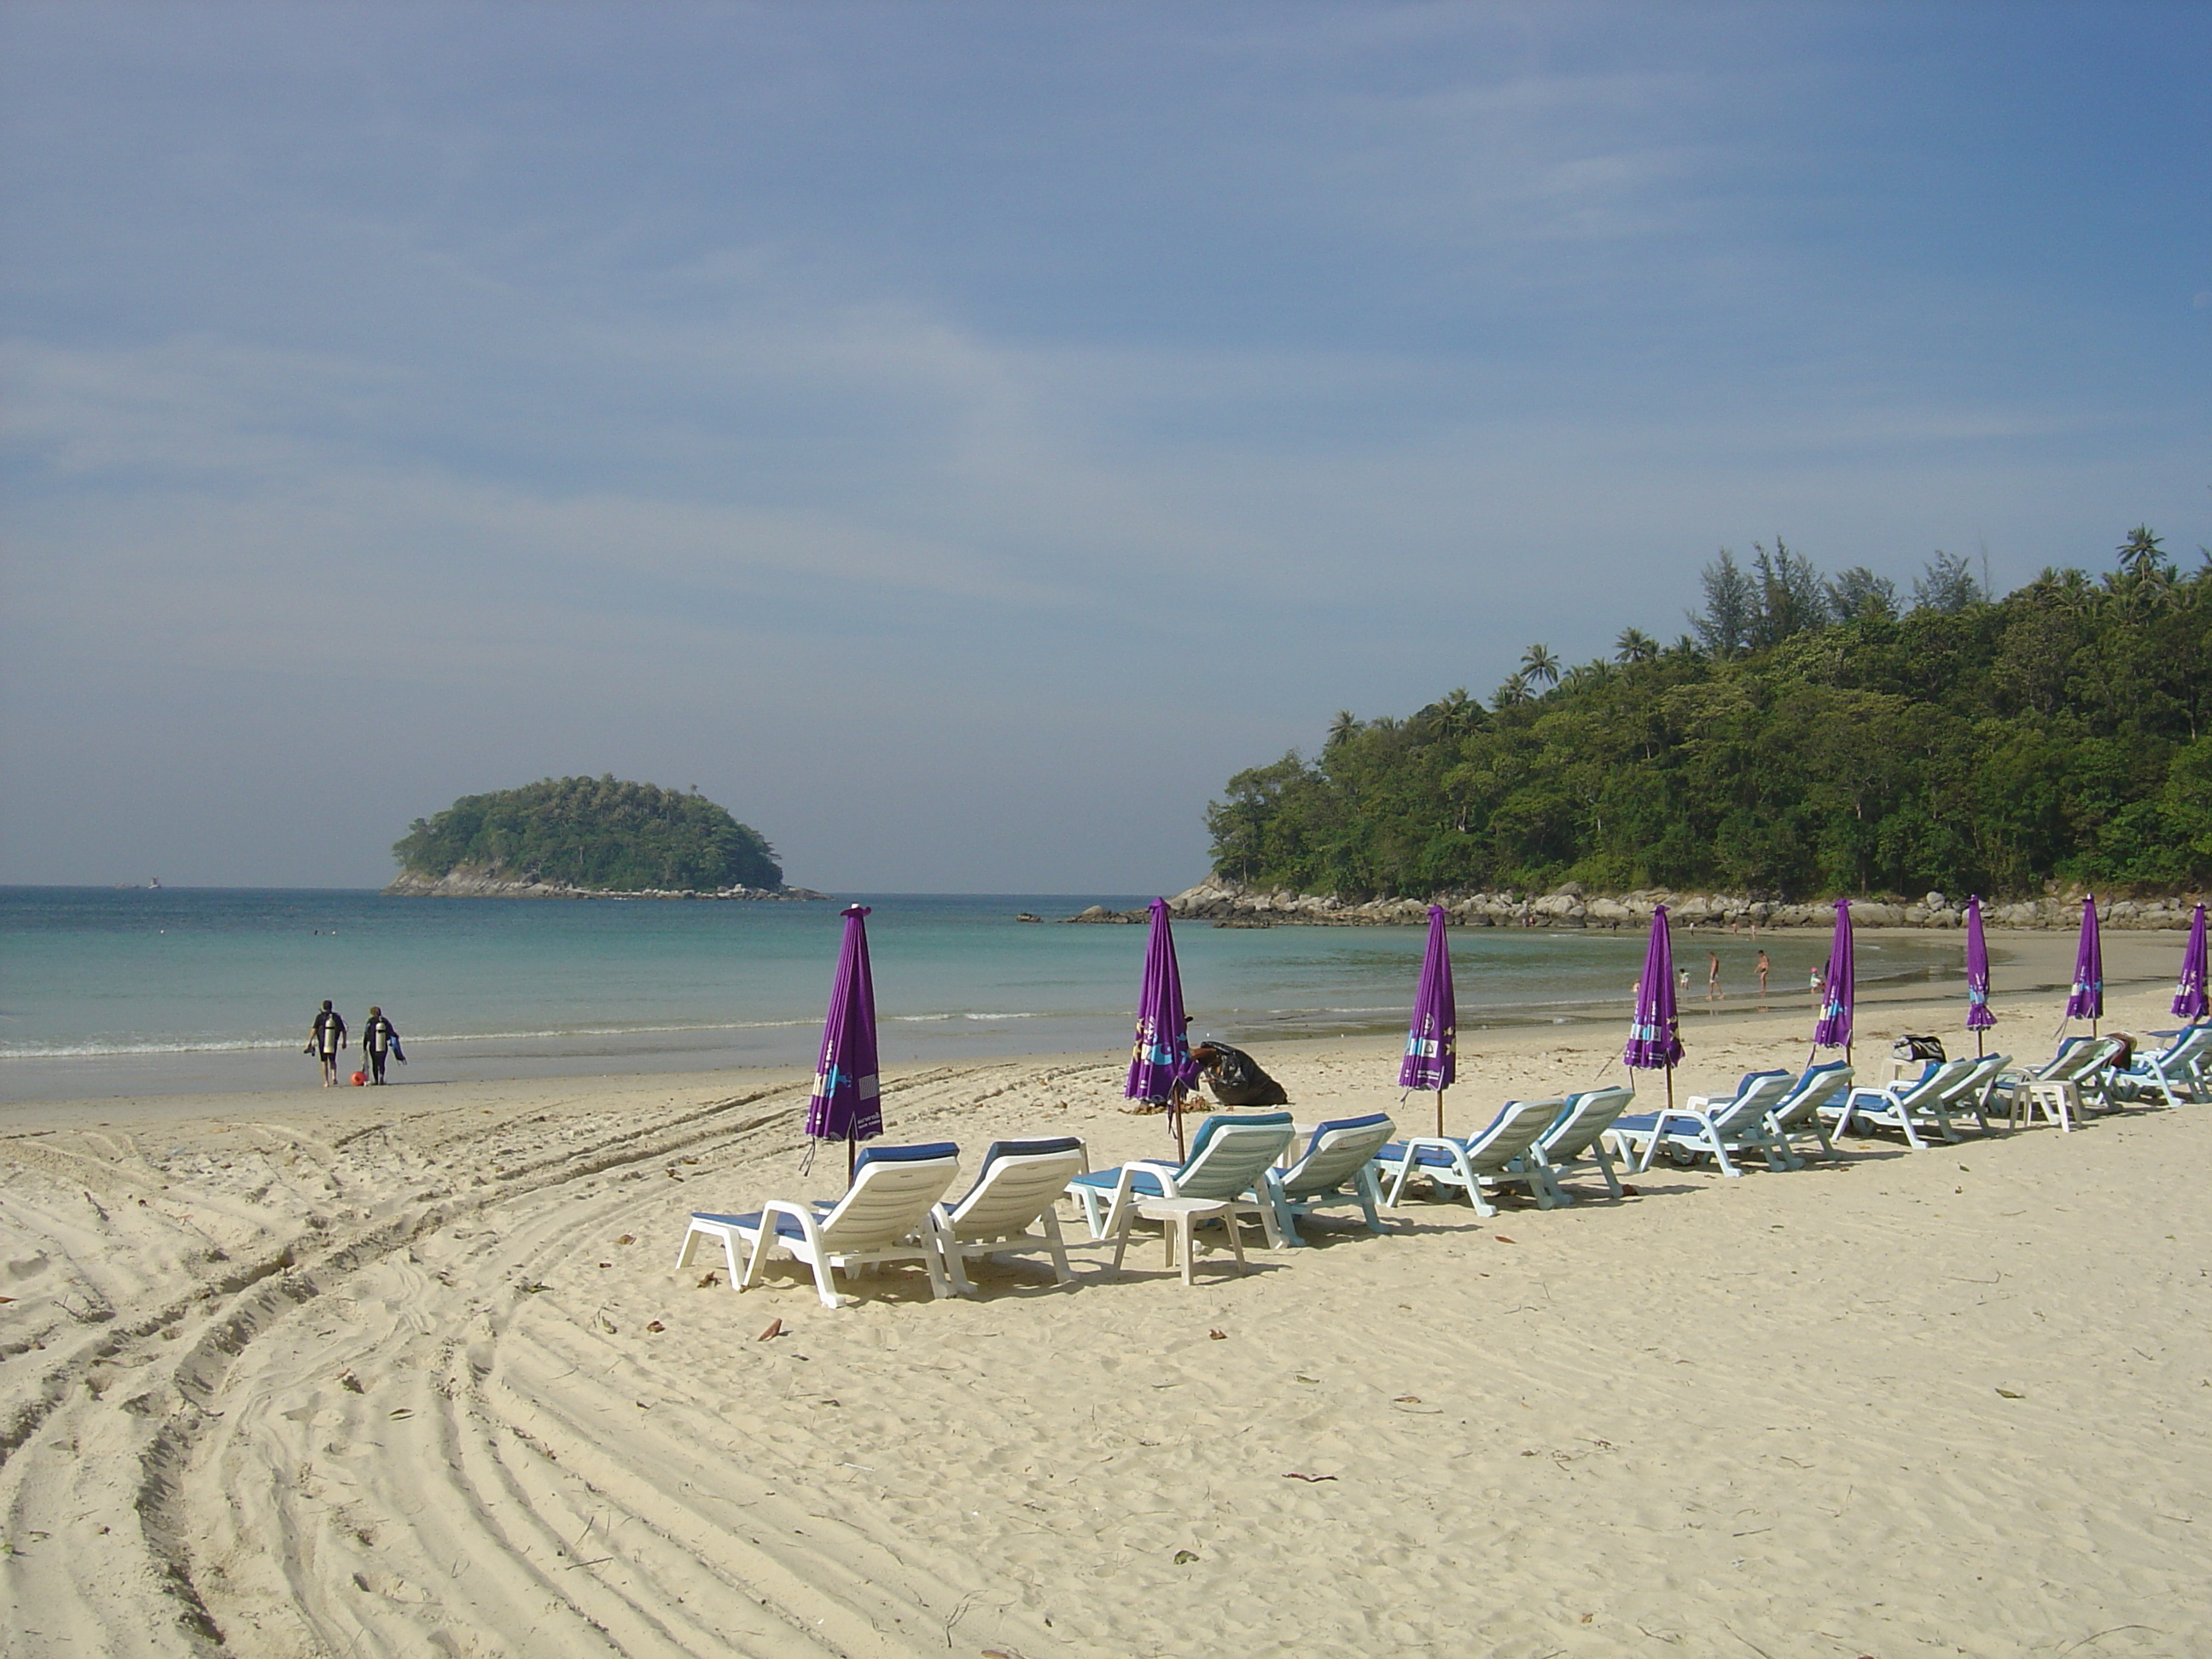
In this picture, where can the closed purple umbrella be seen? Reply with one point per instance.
(1979, 1017)
(848, 1103)
(1160, 1066)
(2189, 1001)
(1839, 996)
(2086, 1000)
(1432, 1040)
(1654, 1040)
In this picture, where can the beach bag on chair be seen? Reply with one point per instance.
(1919, 1047)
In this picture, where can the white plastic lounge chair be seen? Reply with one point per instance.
(1021, 1181)
(1712, 1127)
(2081, 1061)
(2179, 1066)
(1799, 1111)
(1227, 1157)
(1340, 1152)
(1499, 1156)
(881, 1217)
(1576, 1137)
(1911, 1104)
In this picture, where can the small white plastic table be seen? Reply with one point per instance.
(1178, 1216)
(2059, 1102)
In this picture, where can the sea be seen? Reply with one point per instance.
(107, 993)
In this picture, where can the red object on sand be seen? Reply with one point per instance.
(360, 1079)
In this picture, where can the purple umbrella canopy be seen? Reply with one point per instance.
(1839, 994)
(847, 1104)
(1432, 1040)
(2086, 1000)
(1159, 1060)
(1654, 1040)
(1979, 1017)
(2189, 1000)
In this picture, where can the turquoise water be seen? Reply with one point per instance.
(127, 991)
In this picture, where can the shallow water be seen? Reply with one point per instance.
(130, 991)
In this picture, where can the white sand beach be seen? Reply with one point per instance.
(408, 1372)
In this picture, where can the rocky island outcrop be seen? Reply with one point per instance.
(588, 838)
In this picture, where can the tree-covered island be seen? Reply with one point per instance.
(1810, 736)
(584, 835)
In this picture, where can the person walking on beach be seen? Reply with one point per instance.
(1713, 992)
(379, 1037)
(1764, 964)
(326, 1041)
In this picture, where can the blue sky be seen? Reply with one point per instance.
(957, 436)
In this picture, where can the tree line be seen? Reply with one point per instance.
(597, 833)
(1807, 735)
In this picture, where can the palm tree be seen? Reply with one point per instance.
(2143, 557)
(1345, 724)
(1513, 693)
(1538, 663)
(1635, 645)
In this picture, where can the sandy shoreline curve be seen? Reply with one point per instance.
(409, 1373)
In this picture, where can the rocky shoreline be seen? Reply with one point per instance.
(1231, 904)
(482, 884)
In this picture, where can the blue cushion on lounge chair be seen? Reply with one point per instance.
(1428, 1157)
(788, 1226)
(998, 1149)
(1230, 1120)
(1334, 1123)
(904, 1154)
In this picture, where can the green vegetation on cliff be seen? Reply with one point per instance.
(1814, 736)
(591, 833)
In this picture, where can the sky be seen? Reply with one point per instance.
(957, 437)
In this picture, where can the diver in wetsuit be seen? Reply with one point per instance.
(326, 1041)
(379, 1037)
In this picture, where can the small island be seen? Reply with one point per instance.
(588, 838)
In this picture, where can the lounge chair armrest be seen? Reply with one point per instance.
(810, 1224)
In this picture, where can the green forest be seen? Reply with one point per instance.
(594, 833)
(1809, 736)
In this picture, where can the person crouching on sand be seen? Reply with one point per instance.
(326, 1041)
(379, 1038)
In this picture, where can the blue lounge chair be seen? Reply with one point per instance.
(1798, 1110)
(2181, 1066)
(882, 1218)
(1501, 1155)
(1227, 1157)
(1910, 1105)
(1340, 1154)
(1712, 1127)
(1577, 1135)
(1021, 1181)
(2081, 1065)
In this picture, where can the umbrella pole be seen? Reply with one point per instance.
(1175, 1116)
(1440, 1113)
(852, 1156)
(1670, 1088)
(1978, 1042)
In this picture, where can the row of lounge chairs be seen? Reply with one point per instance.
(895, 1210)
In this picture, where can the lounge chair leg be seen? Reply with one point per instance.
(1370, 1197)
(1603, 1159)
(1058, 1247)
(752, 1273)
(825, 1279)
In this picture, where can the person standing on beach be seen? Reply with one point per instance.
(1713, 992)
(379, 1038)
(1764, 964)
(326, 1041)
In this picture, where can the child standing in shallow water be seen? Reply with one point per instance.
(1763, 966)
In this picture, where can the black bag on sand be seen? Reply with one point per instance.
(1234, 1078)
(1919, 1047)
